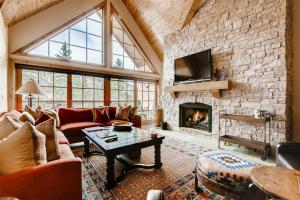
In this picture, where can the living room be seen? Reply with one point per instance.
(148, 99)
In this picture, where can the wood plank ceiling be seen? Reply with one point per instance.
(14, 11)
(159, 18)
(156, 18)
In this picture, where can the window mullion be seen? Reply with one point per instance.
(107, 35)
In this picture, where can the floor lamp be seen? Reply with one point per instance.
(30, 88)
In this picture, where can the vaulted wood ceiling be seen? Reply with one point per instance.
(14, 11)
(159, 18)
(156, 18)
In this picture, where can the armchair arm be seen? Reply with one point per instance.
(136, 120)
(59, 179)
(288, 147)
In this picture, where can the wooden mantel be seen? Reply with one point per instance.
(214, 86)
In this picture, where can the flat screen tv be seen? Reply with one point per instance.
(193, 68)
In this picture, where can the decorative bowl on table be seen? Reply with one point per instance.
(122, 126)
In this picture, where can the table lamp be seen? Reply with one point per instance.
(30, 88)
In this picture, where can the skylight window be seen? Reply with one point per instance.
(81, 42)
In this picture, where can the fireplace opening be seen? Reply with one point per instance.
(195, 115)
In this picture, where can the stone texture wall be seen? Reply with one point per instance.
(248, 38)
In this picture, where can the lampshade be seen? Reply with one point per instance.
(30, 87)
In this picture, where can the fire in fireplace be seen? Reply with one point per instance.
(195, 115)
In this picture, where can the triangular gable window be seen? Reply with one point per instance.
(81, 42)
(125, 54)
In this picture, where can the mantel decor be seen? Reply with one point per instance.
(214, 86)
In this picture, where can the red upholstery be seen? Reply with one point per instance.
(69, 115)
(59, 179)
(71, 127)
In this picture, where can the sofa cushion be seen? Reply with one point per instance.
(13, 114)
(33, 112)
(69, 115)
(111, 112)
(77, 126)
(49, 129)
(6, 128)
(100, 115)
(22, 149)
(123, 112)
(27, 117)
(66, 152)
(62, 138)
(41, 118)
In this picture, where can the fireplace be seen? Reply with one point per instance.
(195, 115)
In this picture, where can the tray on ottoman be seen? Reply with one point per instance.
(226, 174)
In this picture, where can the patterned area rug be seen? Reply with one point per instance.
(175, 177)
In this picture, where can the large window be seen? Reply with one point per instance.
(81, 42)
(122, 92)
(87, 91)
(146, 99)
(82, 91)
(125, 54)
(54, 85)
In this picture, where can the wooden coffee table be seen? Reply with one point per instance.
(128, 141)
(277, 182)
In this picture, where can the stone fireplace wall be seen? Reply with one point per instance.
(250, 39)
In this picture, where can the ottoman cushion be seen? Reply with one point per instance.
(225, 168)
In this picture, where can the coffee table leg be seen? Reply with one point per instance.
(157, 158)
(110, 172)
(86, 151)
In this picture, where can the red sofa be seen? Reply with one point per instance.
(72, 121)
(59, 179)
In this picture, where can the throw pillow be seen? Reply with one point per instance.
(34, 112)
(100, 115)
(52, 113)
(6, 128)
(22, 149)
(52, 147)
(123, 113)
(133, 112)
(41, 118)
(14, 114)
(26, 117)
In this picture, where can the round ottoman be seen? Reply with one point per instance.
(226, 174)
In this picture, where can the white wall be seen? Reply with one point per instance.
(296, 63)
(3, 65)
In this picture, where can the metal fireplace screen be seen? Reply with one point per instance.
(195, 115)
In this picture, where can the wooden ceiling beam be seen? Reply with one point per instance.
(196, 4)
